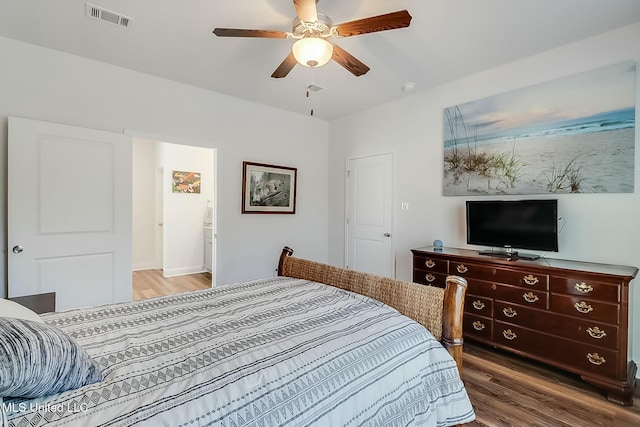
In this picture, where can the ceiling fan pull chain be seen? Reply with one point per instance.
(309, 88)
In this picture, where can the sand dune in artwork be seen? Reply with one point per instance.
(602, 162)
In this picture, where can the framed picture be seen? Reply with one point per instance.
(185, 182)
(268, 188)
(571, 135)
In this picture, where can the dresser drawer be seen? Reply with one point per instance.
(587, 331)
(429, 278)
(594, 333)
(526, 279)
(586, 288)
(430, 264)
(523, 278)
(477, 327)
(518, 295)
(465, 270)
(516, 314)
(573, 356)
(515, 294)
(478, 305)
(585, 309)
(480, 287)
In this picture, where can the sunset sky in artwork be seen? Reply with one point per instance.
(580, 95)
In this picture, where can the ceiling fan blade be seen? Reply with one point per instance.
(236, 32)
(389, 21)
(348, 61)
(284, 68)
(306, 9)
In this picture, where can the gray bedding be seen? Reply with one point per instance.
(270, 352)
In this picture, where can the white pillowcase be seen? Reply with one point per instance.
(14, 310)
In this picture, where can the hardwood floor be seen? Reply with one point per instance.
(507, 390)
(151, 283)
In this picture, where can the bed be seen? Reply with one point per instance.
(281, 351)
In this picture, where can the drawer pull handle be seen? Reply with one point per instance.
(430, 263)
(478, 325)
(509, 312)
(478, 305)
(596, 359)
(462, 269)
(583, 307)
(430, 277)
(596, 332)
(530, 297)
(509, 334)
(530, 279)
(585, 288)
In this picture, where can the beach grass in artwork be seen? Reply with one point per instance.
(572, 135)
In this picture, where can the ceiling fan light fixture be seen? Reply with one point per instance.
(312, 51)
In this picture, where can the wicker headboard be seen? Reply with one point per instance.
(439, 310)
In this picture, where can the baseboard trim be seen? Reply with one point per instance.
(144, 266)
(182, 271)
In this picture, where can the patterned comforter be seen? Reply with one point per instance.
(270, 352)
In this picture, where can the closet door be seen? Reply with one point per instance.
(69, 213)
(370, 215)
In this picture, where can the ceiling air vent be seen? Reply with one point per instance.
(108, 16)
(315, 88)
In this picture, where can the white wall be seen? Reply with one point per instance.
(600, 227)
(43, 84)
(184, 213)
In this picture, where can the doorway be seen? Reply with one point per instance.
(173, 226)
(369, 215)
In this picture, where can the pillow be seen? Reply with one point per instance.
(38, 360)
(17, 311)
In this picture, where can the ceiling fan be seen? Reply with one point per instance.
(312, 31)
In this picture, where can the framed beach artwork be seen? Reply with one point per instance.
(571, 135)
(268, 189)
(185, 182)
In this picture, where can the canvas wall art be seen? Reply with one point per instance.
(571, 135)
(268, 188)
(185, 182)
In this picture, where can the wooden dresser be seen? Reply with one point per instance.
(572, 315)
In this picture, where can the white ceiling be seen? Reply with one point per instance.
(447, 40)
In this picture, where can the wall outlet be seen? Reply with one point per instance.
(404, 206)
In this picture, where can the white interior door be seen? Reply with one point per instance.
(370, 215)
(69, 213)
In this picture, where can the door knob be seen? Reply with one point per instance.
(17, 249)
(387, 234)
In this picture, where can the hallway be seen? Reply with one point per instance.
(151, 283)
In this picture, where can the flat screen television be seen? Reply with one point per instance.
(509, 224)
